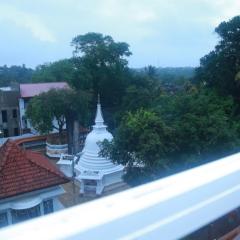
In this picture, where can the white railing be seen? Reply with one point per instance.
(166, 209)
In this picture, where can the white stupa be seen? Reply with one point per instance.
(93, 171)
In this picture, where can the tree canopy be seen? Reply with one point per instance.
(161, 123)
(101, 66)
(142, 143)
(220, 68)
(177, 132)
(15, 74)
(59, 71)
(62, 105)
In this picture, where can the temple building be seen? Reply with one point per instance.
(94, 171)
(29, 184)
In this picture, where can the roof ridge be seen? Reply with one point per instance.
(5, 150)
(42, 83)
(51, 169)
(25, 171)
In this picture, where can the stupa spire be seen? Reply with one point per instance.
(99, 118)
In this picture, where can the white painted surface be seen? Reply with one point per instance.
(22, 112)
(6, 89)
(55, 151)
(32, 199)
(39, 194)
(27, 135)
(91, 165)
(165, 209)
(26, 203)
(66, 164)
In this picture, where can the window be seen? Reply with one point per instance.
(14, 113)
(4, 116)
(5, 133)
(16, 132)
(3, 219)
(48, 206)
(25, 214)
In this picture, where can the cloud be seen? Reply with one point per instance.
(169, 32)
(223, 10)
(133, 19)
(28, 21)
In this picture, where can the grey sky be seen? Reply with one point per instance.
(160, 32)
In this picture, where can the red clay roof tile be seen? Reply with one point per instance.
(24, 171)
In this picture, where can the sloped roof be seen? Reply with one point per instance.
(24, 171)
(33, 89)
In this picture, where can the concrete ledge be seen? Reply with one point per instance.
(168, 209)
(55, 151)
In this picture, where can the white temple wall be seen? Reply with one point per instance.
(112, 178)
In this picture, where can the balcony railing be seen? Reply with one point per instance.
(170, 208)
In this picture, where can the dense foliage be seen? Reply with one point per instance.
(60, 71)
(162, 123)
(184, 124)
(220, 69)
(179, 131)
(14, 74)
(64, 106)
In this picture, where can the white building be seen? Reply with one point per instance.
(29, 185)
(93, 171)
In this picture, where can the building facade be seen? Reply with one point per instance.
(29, 185)
(9, 112)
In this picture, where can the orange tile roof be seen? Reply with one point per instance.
(23, 171)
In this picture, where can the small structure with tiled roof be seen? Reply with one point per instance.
(29, 184)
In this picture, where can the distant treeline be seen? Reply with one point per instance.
(170, 73)
(63, 70)
(15, 74)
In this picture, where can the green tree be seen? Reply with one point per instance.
(40, 114)
(182, 130)
(15, 74)
(101, 65)
(65, 106)
(220, 68)
(59, 71)
(142, 92)
(204, 125)
(142, 143)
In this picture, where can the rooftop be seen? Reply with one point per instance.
(34, 89)
(24, 171)
(168, 209)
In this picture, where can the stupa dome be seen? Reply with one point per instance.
(90, 159)
(92, 140)
(94, 171)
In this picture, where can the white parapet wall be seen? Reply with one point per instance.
(66, 164)
(170, 208)
(55, 151)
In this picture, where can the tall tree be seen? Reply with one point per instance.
(220, 68)
(65, 105)
(101, 68)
